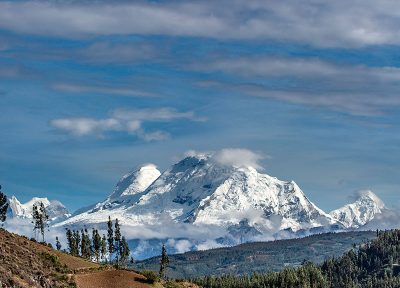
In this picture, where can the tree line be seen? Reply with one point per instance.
(110, 248)
(374, 264)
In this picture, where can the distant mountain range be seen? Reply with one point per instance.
(202, 202)
(55, 209)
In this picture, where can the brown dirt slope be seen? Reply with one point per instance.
(110, 279)
(25, 263)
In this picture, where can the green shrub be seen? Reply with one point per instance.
(172, 284)
(51, 260)
(151, 276)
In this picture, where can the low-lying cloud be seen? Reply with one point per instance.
(239, 157)
(232, 156)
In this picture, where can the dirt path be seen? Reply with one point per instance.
(110, 279)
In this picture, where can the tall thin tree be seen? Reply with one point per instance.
(124, 251)
(117, 240)
(44, 219)
(164, 261)
(103, 248)
(110, 237)
(35, 219)
(96, 244)
(70, 241)
(40, 219)
(58, 244)
(3, 207)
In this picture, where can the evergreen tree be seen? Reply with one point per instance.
(83, 244)
(371, 265)
(3, 207)
(77, 241)
(35, 219)
(70, 242)
(110, 237)
(89, 247)
(44, 219)
(103, 249)
(96, 244)
(86, 247)
(58, 244)
(117, 240)
(124, 251)
(68, 235)
(40, 219)
(164, 261)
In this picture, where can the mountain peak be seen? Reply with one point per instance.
(135, 181)
(363, 210)
(55, 209)
(368, 195)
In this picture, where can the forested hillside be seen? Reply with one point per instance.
(373, 264)
(260, 256)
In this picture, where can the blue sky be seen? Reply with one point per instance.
(89, 91)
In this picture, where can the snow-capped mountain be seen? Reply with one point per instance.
(135, 182)
(55, 209)
(203, 202)
(206, 201)
(201, 191)
(359, 213)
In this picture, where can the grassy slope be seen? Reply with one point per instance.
(261, 256)
(25, 263)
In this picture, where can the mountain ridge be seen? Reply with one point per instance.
(201, 201)
(361, 211)
(55, 209)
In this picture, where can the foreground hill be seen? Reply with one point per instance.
(28, 264)
(25, 263)
(260, 256)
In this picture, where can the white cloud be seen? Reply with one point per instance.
(297, 67)
(86, 126)
(231, 156)
(181, 246)
(238, 157)
(123, 120)
(352, 89)
(155, 114)
(209, 244)
(106, 52)
(388, 219)
(155, 136)
(270, 66)
(335, 23)
(24, 227)
(76, 88)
